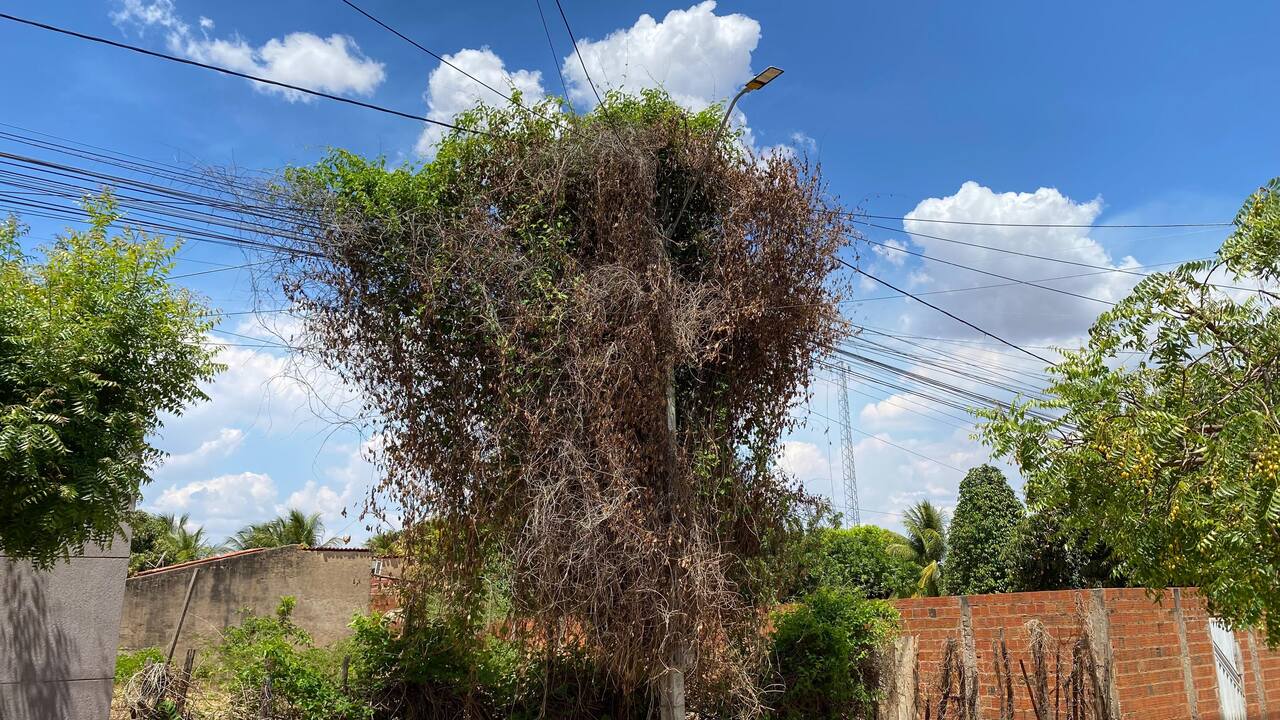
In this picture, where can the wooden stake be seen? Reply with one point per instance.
(173, 644)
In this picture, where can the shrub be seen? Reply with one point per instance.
(435, 670)
(985, 522)
(858, 558)
(825, 654)
(131, 662)
(303, 678)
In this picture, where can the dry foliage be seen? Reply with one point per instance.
(513, 313)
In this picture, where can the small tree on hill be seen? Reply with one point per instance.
(985, 522)
(94, 345)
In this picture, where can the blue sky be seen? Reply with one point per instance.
(1001, 112)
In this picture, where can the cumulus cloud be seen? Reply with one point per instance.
(1018, 312)
(334, 64)
(450, 93)
(226, 442)
(806, 461)
(223, 497)
(347, 487)
(893, 253)
(694, 54)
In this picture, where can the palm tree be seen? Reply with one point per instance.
(925, 545)
(180, 543)
(293, 528)
(385, 544)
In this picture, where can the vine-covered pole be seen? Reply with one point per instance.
(671, 689)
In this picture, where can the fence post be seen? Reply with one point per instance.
(184, 680)
(346, 663)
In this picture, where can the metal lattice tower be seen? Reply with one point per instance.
(846, 455)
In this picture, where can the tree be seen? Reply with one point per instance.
(94, 345)
(925, 545)
(1173, 457)
(161, 540)
(986, 518)
(385, 544)
(293, 528)
(528, 313)
(858, 558)
(1046, 555)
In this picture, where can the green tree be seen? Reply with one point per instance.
(826, 651)
(1047, 555)
(162, 540)
(925, 545)
(986, 518)
(95, 344)
(386, 544)
(293, 528)
(858, 558)
(1173, 457)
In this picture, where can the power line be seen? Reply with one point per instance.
(433, 54)
(1042, 225)
(970, 268)
(235, 73)
(555, 56)
(578, 52)
(928, 304)
(1047, 258)
(889, 443)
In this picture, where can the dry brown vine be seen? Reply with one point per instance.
(512, 314)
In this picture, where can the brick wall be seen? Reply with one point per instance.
(1154, 677)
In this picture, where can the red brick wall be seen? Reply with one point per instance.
(384, 593)
(1145, 648)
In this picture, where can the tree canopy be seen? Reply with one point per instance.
(985, 522)
(925, 545)
(293, 528)
(859, 559)
(1173, 457)
(95, 344)
(517, 313)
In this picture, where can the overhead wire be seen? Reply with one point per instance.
(236, 73)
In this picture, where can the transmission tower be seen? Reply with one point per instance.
(846, 455)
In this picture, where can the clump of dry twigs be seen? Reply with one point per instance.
(515, 314)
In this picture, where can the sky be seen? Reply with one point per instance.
(1001, 112)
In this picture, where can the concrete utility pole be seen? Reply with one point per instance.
(671, 685)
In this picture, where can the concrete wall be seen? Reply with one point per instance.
(1159, 656)
(58, 635)
(330, 586)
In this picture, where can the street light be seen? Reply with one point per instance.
(764, 77)
(671, 692)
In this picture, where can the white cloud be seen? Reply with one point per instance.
(227, 441)
(223, 497)
(806, 461)
(333, 64)
(349, 487)
(696, 55)
(889, 410)
(450, 93)
(1017, 312)
(893, 253)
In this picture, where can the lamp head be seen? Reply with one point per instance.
(765, 77)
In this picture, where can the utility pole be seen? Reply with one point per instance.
(671, 684)
(846, 454)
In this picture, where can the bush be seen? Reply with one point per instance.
(858, 558)
(985, 522)
(435, 670)
(131, 662)
(825, 652)
(304, 684)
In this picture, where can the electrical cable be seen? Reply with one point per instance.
(235, 73)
